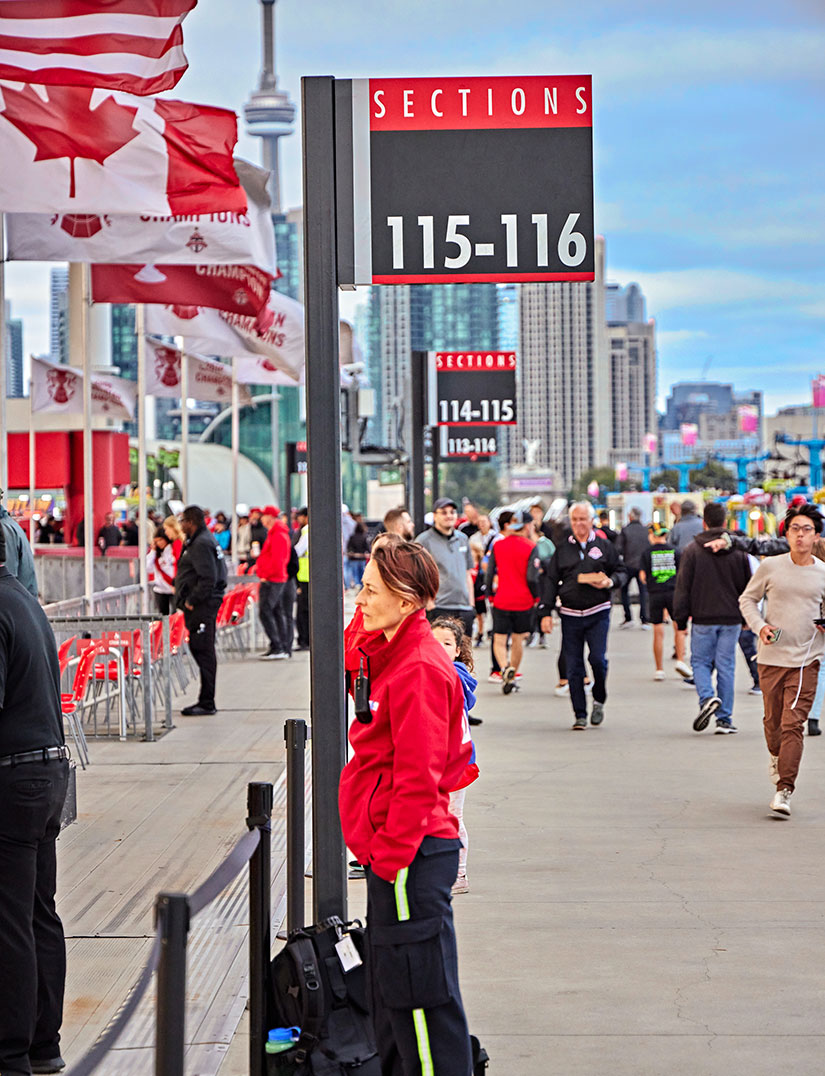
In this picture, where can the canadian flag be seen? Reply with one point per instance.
(222, 237)
(59, 388)
(207, 379)
(82, 150)
(241, 289)
(277, 334)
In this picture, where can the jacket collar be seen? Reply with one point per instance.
(590, 538)
(381, 651)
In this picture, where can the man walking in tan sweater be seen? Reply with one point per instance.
(791, 644)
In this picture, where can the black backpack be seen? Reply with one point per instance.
(311, 990)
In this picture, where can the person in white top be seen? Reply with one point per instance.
(791, 643)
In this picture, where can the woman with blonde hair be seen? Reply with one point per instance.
(174, 532)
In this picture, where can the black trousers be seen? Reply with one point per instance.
(270, 596)
(200, 623)
(302, 614)
(412, 964)
(286, 616)
(33, 963)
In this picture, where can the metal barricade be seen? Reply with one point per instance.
(115, 600)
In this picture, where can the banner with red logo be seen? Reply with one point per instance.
(818, 388)
(277, 334)
(651, 441)
(689, 432)
(132, 45)
(223, 237)
(82, 150)
(241, 289)
(207, 379)
(57, 388)
(748, 418)
(259, 370)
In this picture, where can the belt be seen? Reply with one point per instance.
(42, 754)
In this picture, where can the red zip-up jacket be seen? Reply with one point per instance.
(271, 565)
(395, 790)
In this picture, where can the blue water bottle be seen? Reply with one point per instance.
(281, 1039)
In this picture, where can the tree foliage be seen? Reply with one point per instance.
(478, 482)
(712, 475)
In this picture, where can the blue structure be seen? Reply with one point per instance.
(814, 447)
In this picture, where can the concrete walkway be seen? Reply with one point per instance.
(634, 907)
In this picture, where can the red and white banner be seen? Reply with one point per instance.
(620, 472)
(748, 418)
(650, 443)
(207, 379)
(258, 370)
(818, 389)
(131, 45)
(277, 334)
(240, 289)
(223, 237)
(59, 388)
(84, 150)
(689, 432)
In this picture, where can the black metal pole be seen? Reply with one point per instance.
(418, 418)
(295, 735)
(435, 456)
(259, 813)
(172, 920)
(326, 602)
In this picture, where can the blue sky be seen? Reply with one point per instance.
(708, 147)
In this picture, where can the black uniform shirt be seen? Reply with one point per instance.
(30, 712)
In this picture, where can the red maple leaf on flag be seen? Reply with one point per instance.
(66, 125)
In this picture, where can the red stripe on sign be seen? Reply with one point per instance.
(67, 9)
(70, 76)
(450, 104)
(92, 45)
(479, 278)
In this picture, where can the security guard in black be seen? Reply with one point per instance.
(34, 774)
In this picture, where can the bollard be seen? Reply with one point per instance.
(259, 813)
(295, 734)
(172, 920)
(167, 674)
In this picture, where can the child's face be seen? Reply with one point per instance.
(447, 640)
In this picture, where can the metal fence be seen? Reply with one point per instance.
(109, 602)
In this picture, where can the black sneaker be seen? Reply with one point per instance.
(508, 679)
(706, 711)
(474, 720)
(597, 713)
(579, 723)
(52, 1064)
(198, 711)
(813, 727)
(725, 728)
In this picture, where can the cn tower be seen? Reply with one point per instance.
(270, 115)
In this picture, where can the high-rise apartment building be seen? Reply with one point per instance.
(624, 304)
(563, 376)
(14, 354)
(633, 368)
(59, 314)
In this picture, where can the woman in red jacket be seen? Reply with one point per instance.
(409, 750)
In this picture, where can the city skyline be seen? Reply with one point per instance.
(708, 189)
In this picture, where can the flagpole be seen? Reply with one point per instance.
(236, 424)
(184, 423)
(4, 463)
(88, 467)
(143, 530)
(32, 466)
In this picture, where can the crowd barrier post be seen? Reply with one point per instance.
(259, 814)
(295, 734)
(167, 673)
(172, 920)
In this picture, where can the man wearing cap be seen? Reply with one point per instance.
(34, 775)
(450, 549)
(657, 571)
(512, 579)
(271, 569)
(582, 573)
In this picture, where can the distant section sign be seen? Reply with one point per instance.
(296, 457)
(464, 180)
(468, 442)
(475, 388)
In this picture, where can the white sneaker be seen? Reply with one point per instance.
(588, 688)
(683, 669)
(659, 674)
(781, 803)
(560, 690)
(461, 885)
(773, 768)
(755, 691)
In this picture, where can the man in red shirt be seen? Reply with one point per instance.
(512, 579)
(271, 569)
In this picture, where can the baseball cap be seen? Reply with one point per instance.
(269, 510)
(659, 529)
(520, 519)
(444, 502)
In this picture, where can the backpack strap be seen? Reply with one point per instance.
(308, 976)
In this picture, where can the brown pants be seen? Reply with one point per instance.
(784, 727)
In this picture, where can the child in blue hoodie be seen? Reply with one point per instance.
(450, 633)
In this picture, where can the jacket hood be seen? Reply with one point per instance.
(468, 684)
(703, 537)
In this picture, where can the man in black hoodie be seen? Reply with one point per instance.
(200, 582)
(707, 590)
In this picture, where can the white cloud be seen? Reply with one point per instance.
(673, 289)
(674, 338)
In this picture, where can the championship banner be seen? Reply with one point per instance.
(240, 289)
(218, 238)
(651, 441)
(82, 150)
(748, 418)
(818, 388)
(258, 370)
(58, 389)
(689, 432)
(277, 334)
(207, 379)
